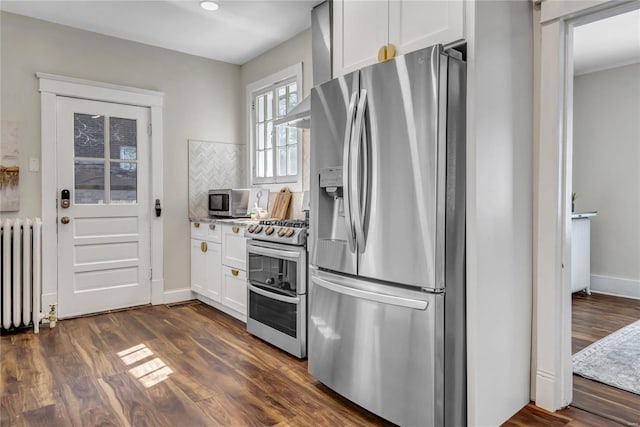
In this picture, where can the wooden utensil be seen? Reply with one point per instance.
(281, 204)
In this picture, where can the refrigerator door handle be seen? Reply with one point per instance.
(360, 143)
(371, 296)
(346, 168)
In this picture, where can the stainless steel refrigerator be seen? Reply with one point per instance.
(387, 294)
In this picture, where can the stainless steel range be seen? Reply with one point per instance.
(277, 282)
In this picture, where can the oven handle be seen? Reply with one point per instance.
(289, 255)
(271, 295)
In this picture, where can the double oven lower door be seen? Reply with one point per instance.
(277, 295)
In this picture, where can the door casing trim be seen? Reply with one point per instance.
(52, 86)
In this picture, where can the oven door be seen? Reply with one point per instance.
(282, 268)
(280, 320)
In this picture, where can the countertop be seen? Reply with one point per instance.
(579, 215)
(232, 221)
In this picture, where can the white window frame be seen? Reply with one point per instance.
(274, 183)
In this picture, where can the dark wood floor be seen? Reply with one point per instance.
(188, 365)
(594, 317)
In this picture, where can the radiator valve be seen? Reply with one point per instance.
(51, 316)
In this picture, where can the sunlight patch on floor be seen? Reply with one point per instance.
(149, 373)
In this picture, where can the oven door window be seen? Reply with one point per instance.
(273, 272)
(279, 315)
(219, 202)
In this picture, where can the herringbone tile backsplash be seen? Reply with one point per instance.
(213, 165)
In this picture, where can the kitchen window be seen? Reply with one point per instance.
(275, 151)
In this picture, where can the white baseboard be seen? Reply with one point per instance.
(231, 312)
(178, 295)
(617, 286)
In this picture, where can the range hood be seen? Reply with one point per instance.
(300, 115)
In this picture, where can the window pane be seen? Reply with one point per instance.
(282, 162)
(88, 135)
(260, 103)
(89, 182)
(260, 136)
(260, 160)
(122, 138)
(282, 101)
(292, 160)
(282, 136)
(124, 182)
(269, 154)
(269, 134)
(269, 106)
(293, 96)
(293, 136)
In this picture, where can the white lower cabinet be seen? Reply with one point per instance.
(234, 286)
(205, 268)
(218, 264)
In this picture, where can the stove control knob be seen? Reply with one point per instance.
(281, 231)
(257, 229)
(269, 230)
(290, 232)
(251, 228)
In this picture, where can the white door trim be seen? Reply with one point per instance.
(552, 258)
(51, 86)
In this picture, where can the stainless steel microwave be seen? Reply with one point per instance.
(229, 202)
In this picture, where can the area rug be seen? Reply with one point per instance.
(613, 360)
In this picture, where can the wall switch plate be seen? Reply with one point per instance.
(34, 164)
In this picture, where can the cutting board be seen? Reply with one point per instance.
(281, 204)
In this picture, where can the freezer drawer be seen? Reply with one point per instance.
(379, 346)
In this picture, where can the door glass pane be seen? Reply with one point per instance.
(89, 182)
(88, 135)
(269, 156)
(292, 160)
(273, 272)
(124, 182)
(123, 138)
(282, 161)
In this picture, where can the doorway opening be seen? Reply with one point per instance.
(603, 164)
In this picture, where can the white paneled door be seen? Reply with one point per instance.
(103, 229)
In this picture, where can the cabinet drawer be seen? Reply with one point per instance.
(214, 232)
(198, 230)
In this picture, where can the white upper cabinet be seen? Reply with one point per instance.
(361, 28)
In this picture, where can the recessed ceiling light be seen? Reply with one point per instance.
(209, 5)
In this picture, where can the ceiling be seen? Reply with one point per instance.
(237, 32)
(608, 43)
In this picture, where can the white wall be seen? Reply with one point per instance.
(202, 101)
(499, 208)
(295, 50)
(606, 170)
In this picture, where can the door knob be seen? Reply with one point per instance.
(65, 220)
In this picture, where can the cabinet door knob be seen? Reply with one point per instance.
(212, 226)
(234, 272)
(196, 224)
(382, 53)
(203, 246)
(391, 51)
(235, 229)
